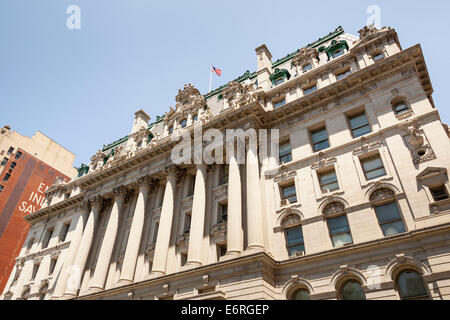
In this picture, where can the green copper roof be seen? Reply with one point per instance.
(338, 31)
(115, 143)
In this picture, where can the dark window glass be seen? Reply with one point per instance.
(195, 117)
(400, 108)
(289, 193)
(223, 213)
(18, 154)
(328, 181)
(170, 129)
(301, 294)
(64, 231)
(373, 168)
(4, 161)
(342, 75)
(389, 218)
(378, 57)
(222, 250)
(439, 193)
(310, 90)
(6, 178)
(10, 150)
(410, 285)
(294, 241)
(13, 165)
(183, 123)
(352, 290)
(1, 188)
(53, 265)
(338, 53)
(35, 270)
(224, 177)
(320, 139)
(359, 125)
(279, 81)
(279, 104)
(285, 152)
(340, 231)
(307, 67)
(47, 238)
(187, 223)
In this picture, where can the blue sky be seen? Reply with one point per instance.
(82, 87)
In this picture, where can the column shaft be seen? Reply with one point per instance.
(104, 258)
(198, 218)
(69, 259)
(234, 226)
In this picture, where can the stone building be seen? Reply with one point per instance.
(358, 207)
(28, 167)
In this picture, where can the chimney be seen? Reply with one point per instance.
(264, 58)
(141, 119)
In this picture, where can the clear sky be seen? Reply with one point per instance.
(82, 87)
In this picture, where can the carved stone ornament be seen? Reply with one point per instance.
(150, 183)
(382, 194)
(98, 157)
(177, 172)
(96, 201)
(239, 94)
(290, 220)
(120, 191)
(187, 100)
(304, 55)
(334, 207)
(55, 254)
(424, 154)
(141, 134)
(366, 30)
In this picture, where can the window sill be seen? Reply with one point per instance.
(404, 115)
(439, 206)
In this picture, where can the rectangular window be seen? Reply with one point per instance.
(10, 150)
(359, 125)
(4, 161)
(52, 265)
(47, 238)
(183, 123)
(294, 241)
(289, 193)
(64, 231)
(340, 231)
(310, 90)
(373, 168)
(221, 250)
(389, 218)
(223, 213)
(187, 222)
(343, 74)
(279, 104)
(6, 178)
(13, 165)
(285, 152)
(224, 176)
(18, 154)
(183, 259)
(35, 271)
(320, 139)
(328, 181)
(155, 232)
(1, 188)
(439, 193)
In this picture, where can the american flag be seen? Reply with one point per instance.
(216, 71)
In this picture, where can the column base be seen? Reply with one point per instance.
(230, 255)
(156, 274)
(94, 289)
(68, 296)
(123, 282)
(254, 249)
(193, 264)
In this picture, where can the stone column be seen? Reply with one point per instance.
(77, 270)
(234, 225)
(104, 258)
(254, 201)
(198, 218)
(69, 259)
(175, 174)
(146, 185)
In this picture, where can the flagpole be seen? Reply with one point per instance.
(210, 79)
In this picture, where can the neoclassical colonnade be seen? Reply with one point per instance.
(86, 224)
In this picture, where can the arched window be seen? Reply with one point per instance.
(43, 291)
(183, 123)
(387, 211)
(352, 290)
(400, 106)
(279, 81)
(306, 67)
(410, 285)
(301, 294)
(338, 53)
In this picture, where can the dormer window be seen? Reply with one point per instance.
(170, 129)
(338, 53)
(279, 104)
(279, 81)
(139, 145)
(307, 67)
(195, 117)
(378, 56)
(279, 76)
(310, 89)
(183, 123)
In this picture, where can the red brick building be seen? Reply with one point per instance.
(23, 181)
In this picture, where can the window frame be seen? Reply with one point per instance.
(286, 154)
(325, 172)
(310, 89)
(337, 216)
(355, 115)
(385, 203)
(370, 158)
(314, 144)
(288, 246)
(286, 186)
(425, 286)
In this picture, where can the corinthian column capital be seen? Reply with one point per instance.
(177, 172)
(120, 191)
(96, 201)
(148, 182)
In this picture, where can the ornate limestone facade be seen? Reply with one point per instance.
(358, 207)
